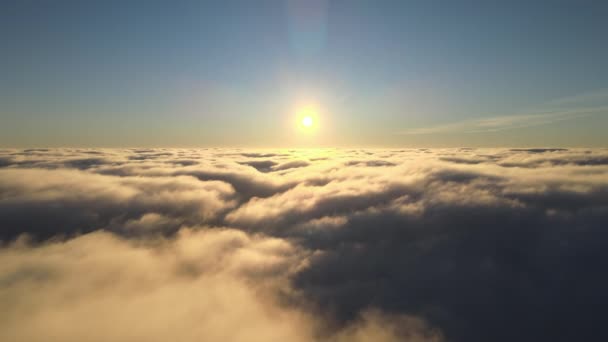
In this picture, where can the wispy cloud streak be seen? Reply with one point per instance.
(567, 108)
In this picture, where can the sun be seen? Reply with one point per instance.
(307, 121)
(307, 118)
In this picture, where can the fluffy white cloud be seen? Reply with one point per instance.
(213, 285)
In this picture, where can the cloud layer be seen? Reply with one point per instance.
(303, 245)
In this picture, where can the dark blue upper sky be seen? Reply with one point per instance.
(199, 73)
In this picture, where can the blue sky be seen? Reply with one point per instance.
(233, 73)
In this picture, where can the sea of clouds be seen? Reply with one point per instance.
(328, 245)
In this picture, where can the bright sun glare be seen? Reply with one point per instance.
(307, 121)
(307, 118)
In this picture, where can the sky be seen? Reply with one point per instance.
(235, 73)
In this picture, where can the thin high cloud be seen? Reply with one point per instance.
(320, 245)
(563, 109)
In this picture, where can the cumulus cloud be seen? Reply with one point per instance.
(49, 202)
(303, 245)
(200, 286)
(213, 285)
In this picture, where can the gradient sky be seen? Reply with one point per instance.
(233, 73)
